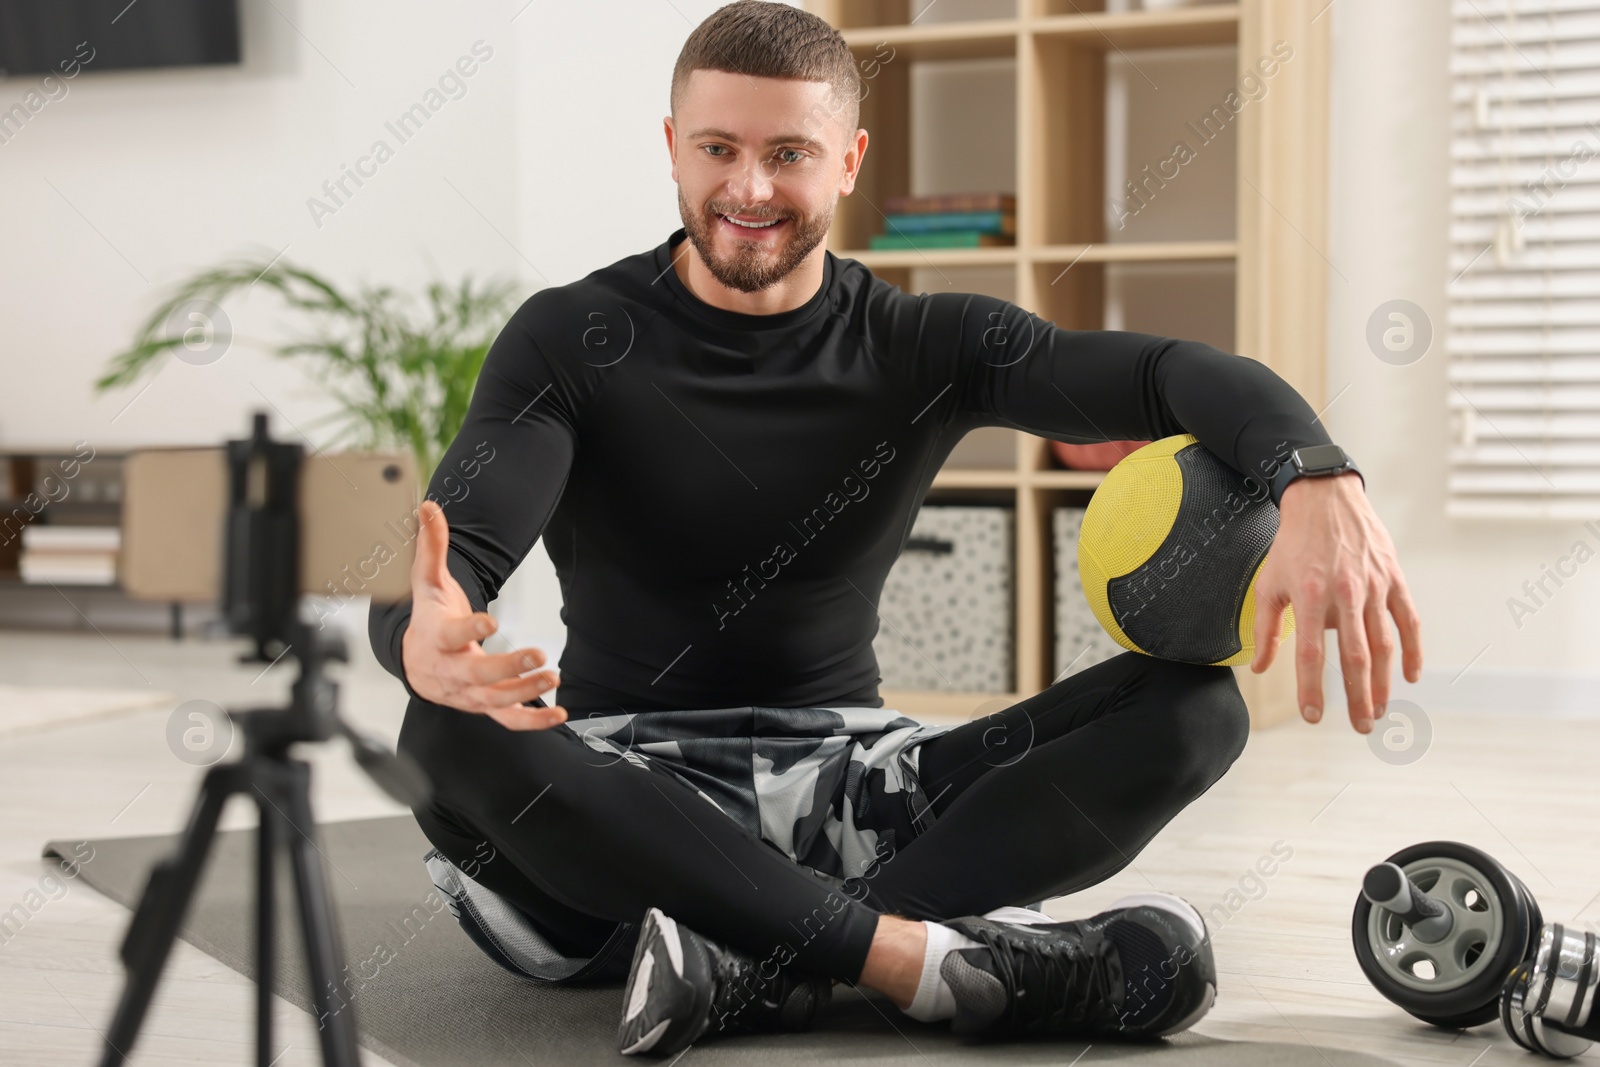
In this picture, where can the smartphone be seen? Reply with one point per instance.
(358, 524)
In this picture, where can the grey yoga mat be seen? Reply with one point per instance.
(426, 996)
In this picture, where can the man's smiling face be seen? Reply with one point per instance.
(760, 165)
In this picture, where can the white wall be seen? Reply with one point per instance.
(550, 164)
(136, 178)
(1388, 239)
(555, 152)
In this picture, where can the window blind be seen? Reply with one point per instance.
(1523, 338)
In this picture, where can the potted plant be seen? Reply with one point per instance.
(400, 381)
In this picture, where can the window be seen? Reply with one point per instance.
(1523, 344)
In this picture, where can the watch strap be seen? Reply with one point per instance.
(1290, 469)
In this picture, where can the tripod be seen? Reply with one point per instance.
(260, 598)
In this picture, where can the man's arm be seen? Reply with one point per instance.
(499, 480)
(1099, 385)
(1332, 559)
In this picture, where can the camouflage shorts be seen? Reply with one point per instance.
(832, 788)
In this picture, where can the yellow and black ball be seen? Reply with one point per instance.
(1169, 551)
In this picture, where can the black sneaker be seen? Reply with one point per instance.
(1141, 970)
(683, 987)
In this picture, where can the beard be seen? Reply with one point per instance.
(751, 268)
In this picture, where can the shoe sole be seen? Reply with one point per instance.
(1018, 916)
(1167, 902)
(664, 987)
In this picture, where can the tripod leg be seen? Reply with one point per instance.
(160, 912)
(266, 923)
(324, 957)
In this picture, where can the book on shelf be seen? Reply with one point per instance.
(69, 555)
(919, 242)
(944, 221)
(58, 538)
(68, 568)
(950, 202)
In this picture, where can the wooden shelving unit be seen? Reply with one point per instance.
(91, 497)
(1060, 49)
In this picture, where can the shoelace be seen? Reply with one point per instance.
(742, 996)
(1077, 980)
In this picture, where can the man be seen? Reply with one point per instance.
(723, 443)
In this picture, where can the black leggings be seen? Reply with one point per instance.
(1053, 794)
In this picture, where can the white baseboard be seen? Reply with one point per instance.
(1561, 694)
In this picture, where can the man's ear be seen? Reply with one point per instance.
(672, 153)
(852, 166)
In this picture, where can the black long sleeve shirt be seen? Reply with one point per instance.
(723, 494)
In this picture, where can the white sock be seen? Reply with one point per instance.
(934, 1000)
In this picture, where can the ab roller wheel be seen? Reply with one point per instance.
(1454, 938)
(1439, 927)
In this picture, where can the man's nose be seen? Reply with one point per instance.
(752, 184)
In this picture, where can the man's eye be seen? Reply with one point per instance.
(717, 151)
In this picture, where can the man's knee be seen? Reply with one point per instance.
(1208, 722)
(477, 766)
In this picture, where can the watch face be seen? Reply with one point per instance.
(1320, 458)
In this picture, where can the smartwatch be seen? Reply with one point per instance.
(1313, 461)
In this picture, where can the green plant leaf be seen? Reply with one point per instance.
(399, 378)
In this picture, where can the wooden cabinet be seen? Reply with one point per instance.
(1062, 56)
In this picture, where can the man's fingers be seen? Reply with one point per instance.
(433, 545)
(460, 632)
(1410, 626)
(1269, 623)
(1381, 644)
(1308, 659)
(514, 690)
(486, 669)
(1355, 663)
(522, 717)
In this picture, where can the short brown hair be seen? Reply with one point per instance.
(773, 40)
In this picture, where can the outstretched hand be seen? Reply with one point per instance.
(440, 650)
(1334, 561)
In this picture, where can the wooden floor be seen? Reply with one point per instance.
(1520, 786)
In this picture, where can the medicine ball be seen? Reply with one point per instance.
(1169, 551)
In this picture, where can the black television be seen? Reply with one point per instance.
(68, 36)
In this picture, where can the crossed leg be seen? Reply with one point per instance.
(1049, 796)
(1062, 790)
(1056, 793)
